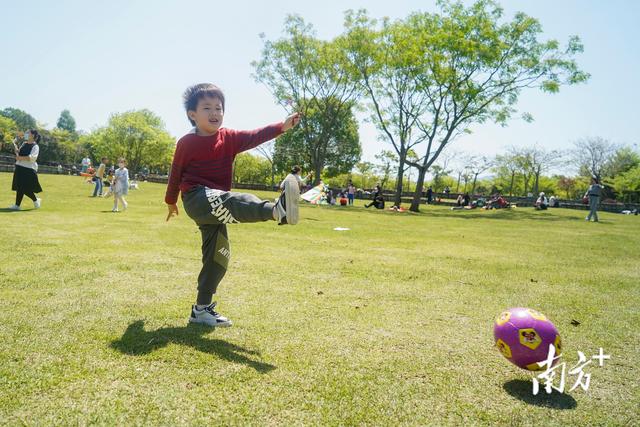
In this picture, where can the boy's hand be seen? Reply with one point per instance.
(173, 210)
(291, 121)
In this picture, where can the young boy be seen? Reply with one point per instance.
(202, 170)
(98, 176)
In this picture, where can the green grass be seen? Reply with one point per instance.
(388, 323)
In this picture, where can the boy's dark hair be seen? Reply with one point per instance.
(195, 93)
(103, 159)
(295, 169)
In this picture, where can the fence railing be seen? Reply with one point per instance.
(438, 198)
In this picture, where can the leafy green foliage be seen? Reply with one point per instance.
(627, 184)
(450, 70)
(22, 119)
(66, 122)
(250, 169)
(8, 129)
(305, 75)
(326, 141)
(138, 136)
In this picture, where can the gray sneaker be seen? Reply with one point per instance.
(287, 204)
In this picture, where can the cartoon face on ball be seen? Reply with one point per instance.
(529, 338)
(503, 317)
(504, 348)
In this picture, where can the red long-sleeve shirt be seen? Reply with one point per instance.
(208, 160)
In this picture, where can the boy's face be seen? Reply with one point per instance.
(208, 115)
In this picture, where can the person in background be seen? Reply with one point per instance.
(542, 203)
(86, 162)
(109, 181)
(342, 197)
(378, 199)
(120, 185)
(429, 195)
(98, 176)
(593, 193)
(295, 173)
(25, 175)
(466, 199)
(351, 192)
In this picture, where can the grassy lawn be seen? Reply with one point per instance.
(388, 323)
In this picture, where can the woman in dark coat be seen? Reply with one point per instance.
(25, 175)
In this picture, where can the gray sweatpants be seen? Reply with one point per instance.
(593, 208)
(212, 210)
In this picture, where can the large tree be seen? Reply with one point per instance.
(624, 159)
(471, 68)
(478, 165)
(313, 147)
(304, 74)
(541, 161)
(138, 136)
(66, 122)
(376, 54)
(508, 164)
(22, 119)
(591, 155)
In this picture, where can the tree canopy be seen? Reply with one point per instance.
(66, 121)
(138, 136)
(464, 66)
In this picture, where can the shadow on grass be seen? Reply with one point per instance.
(504, 214)
(136, 342)
(523, 390)
(518, 214)
(7, 210)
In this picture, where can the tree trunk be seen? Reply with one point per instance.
(513, 177)
(473, 187)
(399, 183)
(458, 184)
(317, 170)
(273, 176)
(415, 202)
(535, 184)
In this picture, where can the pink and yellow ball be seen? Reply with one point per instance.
(523, 336)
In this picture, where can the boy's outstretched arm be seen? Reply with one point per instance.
(246, 140)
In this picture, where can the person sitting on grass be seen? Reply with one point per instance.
(378, 199)
(202, 170)
(542, 203)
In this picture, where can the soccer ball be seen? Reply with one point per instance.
(523, 337)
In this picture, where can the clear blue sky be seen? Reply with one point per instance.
(95, 58)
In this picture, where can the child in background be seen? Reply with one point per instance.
(109, 180)
(120, 185)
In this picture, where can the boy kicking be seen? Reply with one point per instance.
(201, 170)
